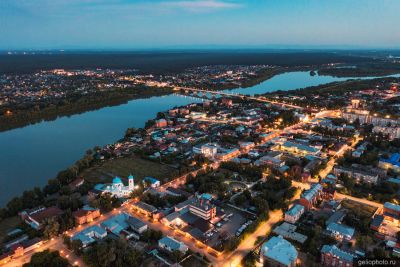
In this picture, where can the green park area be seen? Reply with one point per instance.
(123, 167)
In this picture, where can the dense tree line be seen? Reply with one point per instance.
(51, 110)
(47, 258)
(111, 252)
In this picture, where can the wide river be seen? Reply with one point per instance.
(31, 155)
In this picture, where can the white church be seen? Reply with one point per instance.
(117, 187)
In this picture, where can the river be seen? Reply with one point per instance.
(31, 155)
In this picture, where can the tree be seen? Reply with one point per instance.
(76, 246)
(364, 242)
(47, 258)
(112, 252)
(51, 228)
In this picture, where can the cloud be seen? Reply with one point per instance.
(201, 5)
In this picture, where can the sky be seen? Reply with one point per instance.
(158, 24)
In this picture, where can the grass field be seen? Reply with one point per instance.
(8, 224)
(359, 208)
(122, 167)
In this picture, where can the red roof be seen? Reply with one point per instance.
(46, 213)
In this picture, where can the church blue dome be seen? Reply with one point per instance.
(117, 180)
(131, 177)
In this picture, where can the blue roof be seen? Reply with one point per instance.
(338, 253)
(131, 176)
(206, 196)
(170, 242)
(295, 209)
(99, 187)
(394, 180)
(280, 250)
(87, 235)
(117, 180)
(340, 228)
(151, 180)
(394, 159)
(392, 206)
(117, 223)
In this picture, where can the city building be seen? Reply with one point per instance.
(170, 244)
(299, 149)
(278, 252)
(35, 217)
(332, 256)
(152, 182)
(203, 208)
(124, 224)
(117, 187)
(391, 212)
(85, 215)
(294, 213)
(340, 231)
(393, 162)
(309, 197)
(161, 123)
(359, 175)
(90, 235)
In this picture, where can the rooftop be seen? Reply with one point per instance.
(340, 228)
(338, 253)
(389, 205)
(280, 250)
(295, 209)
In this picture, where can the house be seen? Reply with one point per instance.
(227, 102)
(170, 244)
(332, 256)
(246, 146)
(203, 208)
(137, 225)
(294, 213)
(309, 197)
(85, 215)
(153, 182)
(76, 183)
(340, 231)
(161, 123)
(270, 161)
(145, 208)
(124, 224)
(278, 252)
(36, 217)
(393, 162)
(90, 235)
(26, 246)
(358, 174)
(299, 149)
(391, 212)
(209, 150)
(227, 154)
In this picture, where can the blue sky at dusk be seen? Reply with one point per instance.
(138, 24)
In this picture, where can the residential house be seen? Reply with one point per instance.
(85, 215)
(294, 213)
(170, 244)
(37, 216)
(278, 252)
(340, 231)
(332, 256)
(309, 197)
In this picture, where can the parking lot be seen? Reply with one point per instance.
(228, 227)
